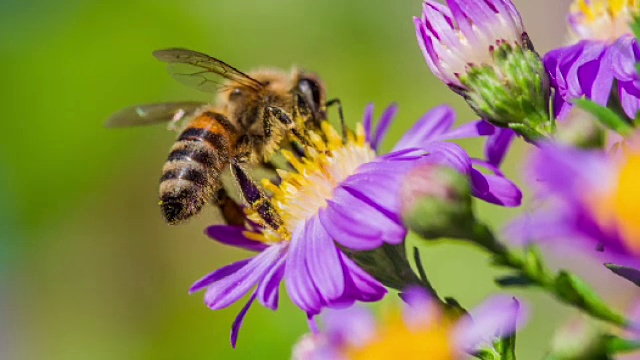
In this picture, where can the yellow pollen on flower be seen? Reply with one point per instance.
(605, 20)
(302, 192)
(619, 208)
(396, 340)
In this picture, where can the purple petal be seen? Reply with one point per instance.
(470, 130)
(498, 144)
(630, 97)
(479, 184)
(323, 261)
(434, 123)
(540, 227)
(383, 126)
(354, 326)
(299, 284)
(217, 275)
(501, 191)
(361, 285)
(368, 123)
(627, 273)
(269, 288)
(569, 172)
(623, 60)
(358, 224)
(237, 324)
(449, 154)
(420, 309)
(234, 236)
(499, 316)
(585, 71)
(230, 289)
(378, 187)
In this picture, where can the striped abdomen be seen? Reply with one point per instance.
(191, 174)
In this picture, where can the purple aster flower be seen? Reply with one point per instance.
(422, 331)
(339, 193)
(603, 50)
(592, 202)
(481, 51)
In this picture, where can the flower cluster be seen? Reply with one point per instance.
(601, 61)
(332, 225)
(593, 202)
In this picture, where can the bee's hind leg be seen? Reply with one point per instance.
(232, 212)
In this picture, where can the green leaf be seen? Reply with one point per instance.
(635, 26)
(607, 117)
(573, 290)
(516, 280)
(533, 260)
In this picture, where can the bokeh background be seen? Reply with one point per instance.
(88, 268)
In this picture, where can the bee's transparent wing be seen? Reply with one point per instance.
(201, 71)
(150, 114)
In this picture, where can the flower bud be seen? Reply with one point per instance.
(436, 202)
(511, 91)
(481, 50)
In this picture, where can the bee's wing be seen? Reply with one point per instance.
(201, 71)
(150, 114)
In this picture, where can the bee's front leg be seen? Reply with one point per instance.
(273, 112)
(338, 103)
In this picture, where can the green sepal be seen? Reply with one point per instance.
(507, 347)
(617, 345)
(573, 290)
(511, 91)
(487, 354)
(606, 116)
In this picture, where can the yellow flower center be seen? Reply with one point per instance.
(619, 208)
(605, 20)
(397, 340)
(303, 192)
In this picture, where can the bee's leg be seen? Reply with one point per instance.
(231, 211)
(273, 112)
(337, 102)
(301, 107)
(255, 197)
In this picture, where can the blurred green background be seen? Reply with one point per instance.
(89, 270)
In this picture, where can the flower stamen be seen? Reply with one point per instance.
(602, 19)
(304, 190)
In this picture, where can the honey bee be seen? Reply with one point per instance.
(255, 115)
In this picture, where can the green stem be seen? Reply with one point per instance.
(426, 284)
(564, 286)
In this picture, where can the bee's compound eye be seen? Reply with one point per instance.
(235, 94)
(311, 90)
